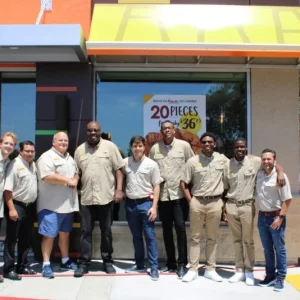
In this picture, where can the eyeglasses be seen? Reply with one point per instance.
(29, 151)
(206, 142)
(92, 130)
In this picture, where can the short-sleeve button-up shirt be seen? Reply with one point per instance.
(141, 176)
(171, 160)
(3, 170)
(206, 174)
(240, 178)
(21, 180)
(98, 166)
(56, 197)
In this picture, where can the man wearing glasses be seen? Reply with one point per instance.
(205, 172)
(171, 154)
(20, 193)
(100, 165)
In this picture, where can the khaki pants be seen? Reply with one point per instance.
(241, 223)
(208, 213)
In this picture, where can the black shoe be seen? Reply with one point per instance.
(109, 268)
(181, 271)
(12, 275)
(26, 270)
(154, 275)
(268, 281)
(81, 270)
(167, 269)
(136, 268)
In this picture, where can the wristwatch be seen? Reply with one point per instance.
(281, 217)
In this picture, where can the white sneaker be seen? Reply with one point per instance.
(190, 275)
(213, 275)
(250, 278)
(238, 276)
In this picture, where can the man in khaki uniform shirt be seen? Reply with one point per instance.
(240, 208)
(171, 154)
(206, 174)
(57, 200)
(20, 193)
(100, 164)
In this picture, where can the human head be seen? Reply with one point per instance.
(60, 142)
(268, 159)
(93, 133)
(8, 141)
(167, 129)
(27, 150)
(208, 143)
(240, 148)
(137, 145)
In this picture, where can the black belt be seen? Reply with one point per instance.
(241, 202)
(23, 203)
(140, 199)
(270, 213)
(208, 198)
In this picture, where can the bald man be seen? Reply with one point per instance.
(100, 165)
(57, 200)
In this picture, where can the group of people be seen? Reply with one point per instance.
(171, 182)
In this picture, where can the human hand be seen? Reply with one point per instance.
(118, 195)
(276, 223)
(13, 215)
(152, 213)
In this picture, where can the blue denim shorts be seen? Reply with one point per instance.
(50, 222)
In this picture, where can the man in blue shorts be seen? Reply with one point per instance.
(57, 200)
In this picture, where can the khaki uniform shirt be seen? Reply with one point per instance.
(3, 170)
(56, 197)
(240, 178)
(21, 180)
(206, 174)
(141, 176)
(268, 194)
(171, 160)
(98, 166)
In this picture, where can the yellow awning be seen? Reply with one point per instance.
(198, 30)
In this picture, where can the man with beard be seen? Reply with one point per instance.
(205, 172)
(240, 208)
(100, 164)
(142, 181)
(273, 204)
(171, 154)
(57, 200)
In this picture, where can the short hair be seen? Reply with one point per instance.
(167, 121)
(269, 151)
(10, 134)
(210, 134)
(240, 139)
(137, 139)
(27, 143)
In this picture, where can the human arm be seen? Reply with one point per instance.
(284, 209)
(119, 183)
(152, 213)
(8, 197)
(186, 191)
(280, 175)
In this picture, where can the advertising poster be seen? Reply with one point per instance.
(187, 112)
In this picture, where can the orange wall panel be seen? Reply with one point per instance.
(63, 12)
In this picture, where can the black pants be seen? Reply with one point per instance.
(20, 231)
(174, 211)
(90, 214)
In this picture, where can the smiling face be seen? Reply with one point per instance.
(168, 132)
(240, 150)
(138, 150)
(61, 142)
(7, 146)
(208, 145)
(93, 133)
(27, 153)
(268, 161)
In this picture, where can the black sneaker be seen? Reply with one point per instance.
(109, 268)
(279, 285)
(154, 275)
(167, 269)
(136, 268)
(81, 270)
(12, 275)
(268, 281)
(181, 271)
(69, 265)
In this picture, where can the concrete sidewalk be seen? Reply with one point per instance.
(98, 285)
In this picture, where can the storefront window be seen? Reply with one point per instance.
(18, 97)
(120, 102)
